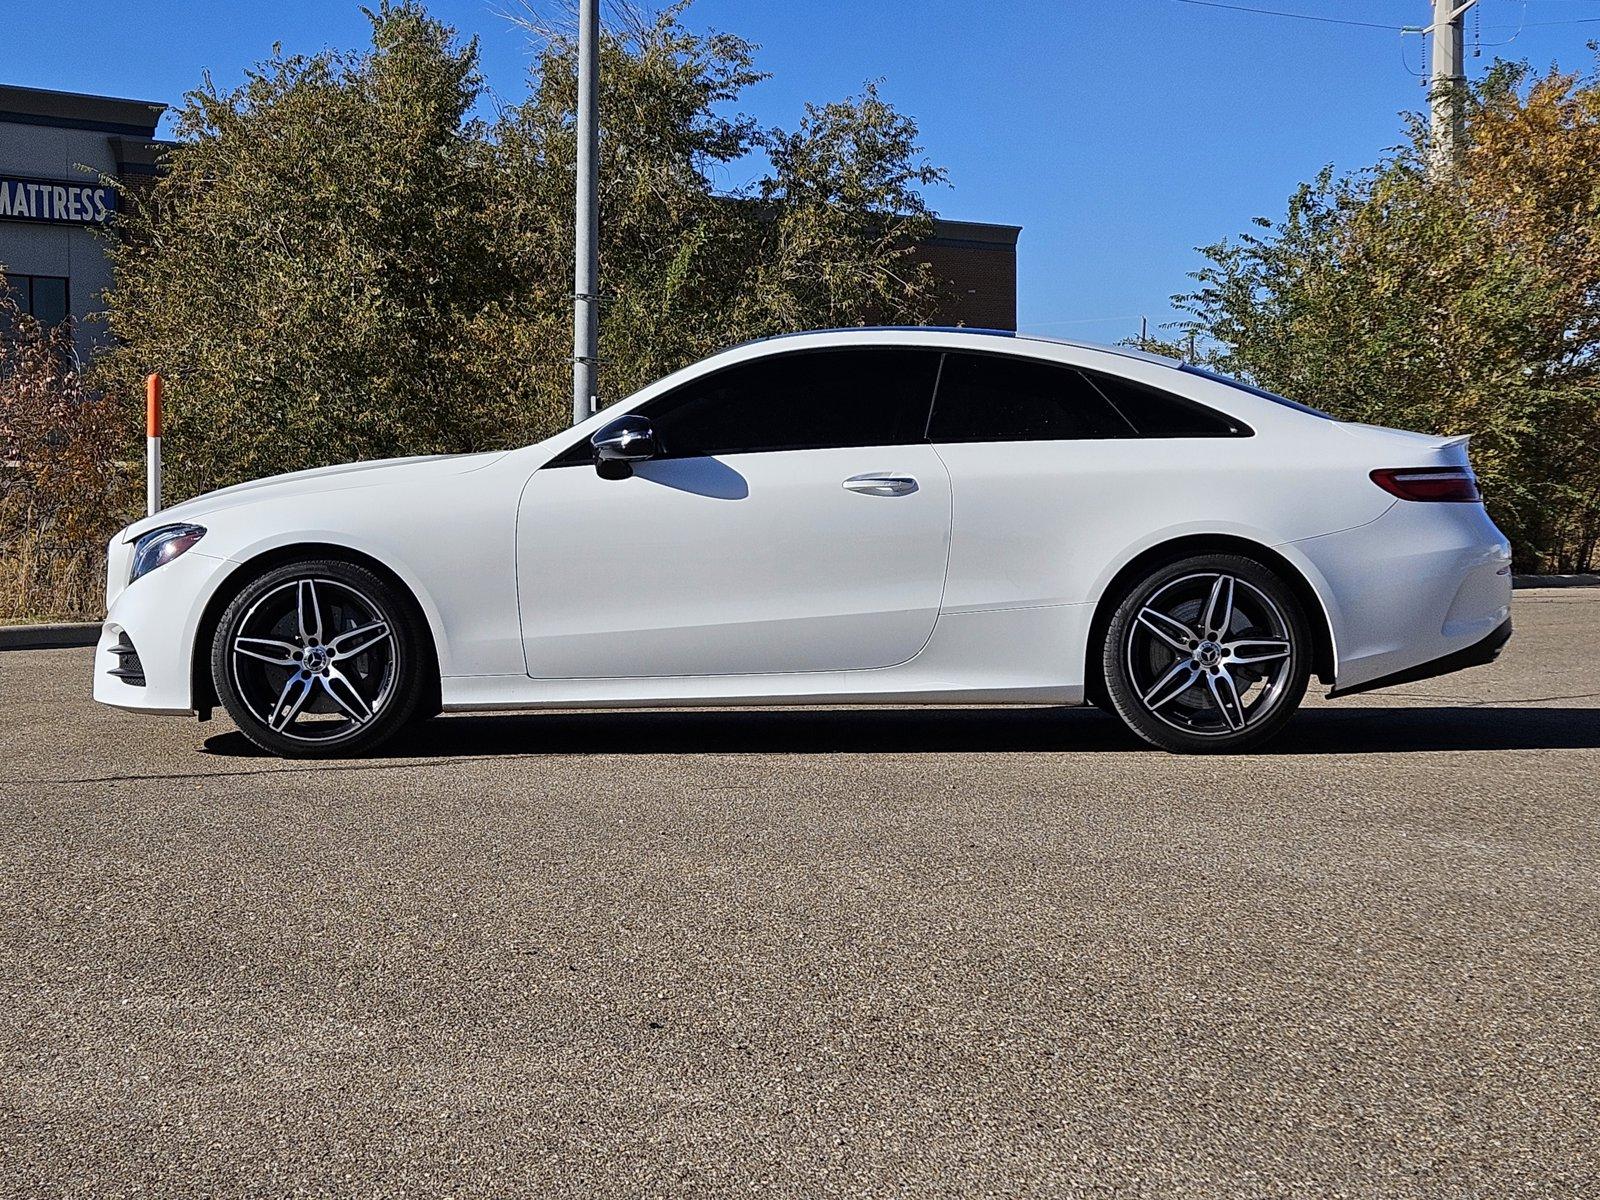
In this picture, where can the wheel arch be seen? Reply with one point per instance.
(203, 689)
(1324, 653)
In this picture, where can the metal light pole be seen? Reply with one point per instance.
(586, 272)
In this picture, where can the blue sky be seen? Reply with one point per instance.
(1120, 134)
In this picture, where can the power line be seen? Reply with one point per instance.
(1298, 16)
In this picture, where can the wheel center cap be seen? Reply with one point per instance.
(1208, 654)
(316, 658)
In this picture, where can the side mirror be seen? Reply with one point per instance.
(629, 438)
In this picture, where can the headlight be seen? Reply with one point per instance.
(161, 546)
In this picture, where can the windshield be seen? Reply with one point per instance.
(1230, 381)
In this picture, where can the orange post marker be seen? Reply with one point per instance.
(152, 442)
(152, 406)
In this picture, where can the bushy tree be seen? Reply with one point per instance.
(842, 210)
(304, 270)
(66, 476)
(340, 263)
(823, 235)
(1464, 301)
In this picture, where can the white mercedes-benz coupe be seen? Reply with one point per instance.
(862, 516)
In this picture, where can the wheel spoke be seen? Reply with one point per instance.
(1169, 629)
(345, 695)
(268, 650)
(1171, 685)
(1219, 608)
(1257, 650)
(357, 641)
(291, 702)
(308, 612)
(1226, 696)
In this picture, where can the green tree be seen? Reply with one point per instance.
(823, 235)
(341, 263)
(1461, 302)
(305, 268)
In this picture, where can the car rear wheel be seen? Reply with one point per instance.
(1210, 654)
(318, 658)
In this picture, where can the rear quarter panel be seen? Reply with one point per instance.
(1044, 523)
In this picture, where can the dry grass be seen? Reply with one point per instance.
(42, 581)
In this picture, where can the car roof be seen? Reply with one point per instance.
(954, 335)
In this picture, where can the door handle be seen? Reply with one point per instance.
(881, 485)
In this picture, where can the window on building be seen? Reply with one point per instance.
(43, 297)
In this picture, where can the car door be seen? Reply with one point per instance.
(795, 519)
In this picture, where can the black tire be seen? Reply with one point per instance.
(343, 683)
(1198, 688)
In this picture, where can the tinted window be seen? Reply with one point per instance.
(1153, 413)
(802, 401)
(989, 398)
(44, 297)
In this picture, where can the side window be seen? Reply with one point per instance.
(806, 400)
(1157, 414)
(994, 398)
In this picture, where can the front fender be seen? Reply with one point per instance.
(387, 554)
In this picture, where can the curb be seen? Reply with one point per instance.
(48, 637)
(1554, 581)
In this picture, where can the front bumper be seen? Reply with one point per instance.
(158, 616)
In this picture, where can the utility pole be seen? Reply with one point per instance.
(586, 270)
(1447, 83)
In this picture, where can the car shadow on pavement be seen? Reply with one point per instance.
(1355, 730)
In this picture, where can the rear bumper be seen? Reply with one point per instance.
(1476, 655)
(1421, 584)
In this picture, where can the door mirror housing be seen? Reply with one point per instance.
(628, 439)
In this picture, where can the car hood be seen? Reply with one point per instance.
(408, 471)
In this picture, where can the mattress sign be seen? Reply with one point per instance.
(55, 201)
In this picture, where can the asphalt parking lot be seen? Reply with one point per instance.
(881, 952)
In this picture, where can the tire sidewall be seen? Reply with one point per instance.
(408, 659)
(1152, 729)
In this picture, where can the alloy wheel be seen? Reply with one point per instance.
(314, 660)
(1209, 654)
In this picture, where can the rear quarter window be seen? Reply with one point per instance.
(1153, 413)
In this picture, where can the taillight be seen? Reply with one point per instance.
(1455, 484)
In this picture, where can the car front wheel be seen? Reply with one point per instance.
(1208, 654)
(317, 658)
